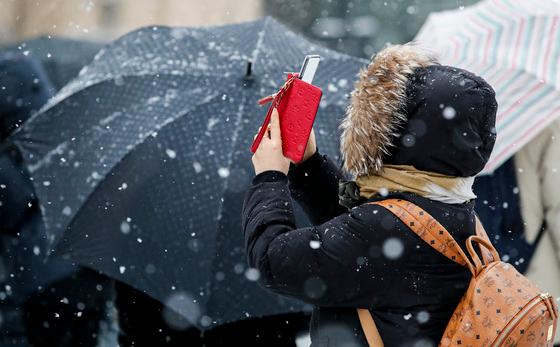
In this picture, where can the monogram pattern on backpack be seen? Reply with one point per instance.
(501, 307)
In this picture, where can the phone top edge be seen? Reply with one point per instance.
(309, 67)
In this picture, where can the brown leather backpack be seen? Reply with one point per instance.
(501, 307)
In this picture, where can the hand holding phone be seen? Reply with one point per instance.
(297, 106)
(269, 155)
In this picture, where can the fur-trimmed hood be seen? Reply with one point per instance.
(406, 107)
(376, 111)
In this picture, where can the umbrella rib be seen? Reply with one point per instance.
(240, 109)
(238, 125)
(259, 43)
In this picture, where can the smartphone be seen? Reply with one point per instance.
(309, 67)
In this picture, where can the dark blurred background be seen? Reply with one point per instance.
(358, 27)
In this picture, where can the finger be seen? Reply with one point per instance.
(275, 126)
(265, 137)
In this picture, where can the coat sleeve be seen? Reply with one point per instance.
(315, 264)
(314, 185)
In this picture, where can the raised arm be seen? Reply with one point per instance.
(314, 185)
(315, 264)
(308, 263)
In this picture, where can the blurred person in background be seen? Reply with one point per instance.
(43, 302)
(520, 206)
(24, 89)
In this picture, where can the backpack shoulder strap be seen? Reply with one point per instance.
(428, 229)
(370, 329)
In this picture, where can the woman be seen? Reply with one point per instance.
(415, 130)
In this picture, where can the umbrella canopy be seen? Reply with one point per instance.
(62, 58)
(515, 46)
(141, 163)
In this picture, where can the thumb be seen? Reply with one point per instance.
(275, 127)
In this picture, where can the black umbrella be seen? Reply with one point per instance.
(62, 58)
(141, 163)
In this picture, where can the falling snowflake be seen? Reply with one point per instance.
(223, 172)
(171, 153)
(205, 321)
(392, 248)
(238, 268)
(197, 167)
(220, 276)
(383, 192)
(67, 210)
(408, 140)
(153, 100)
(181, 311)
(212, 121)
(252, 274)
(423, 317)
(125, 227)
(314, 244)
(449, 112)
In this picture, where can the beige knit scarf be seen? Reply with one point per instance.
(431, 185)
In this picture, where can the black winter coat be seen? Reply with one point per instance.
(359, 258)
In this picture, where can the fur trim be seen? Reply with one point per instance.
(376, 110)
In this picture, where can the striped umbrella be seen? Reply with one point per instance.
(515, 46)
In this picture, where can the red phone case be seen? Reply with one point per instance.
(297, 109)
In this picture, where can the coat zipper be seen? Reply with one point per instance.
(504, 334)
